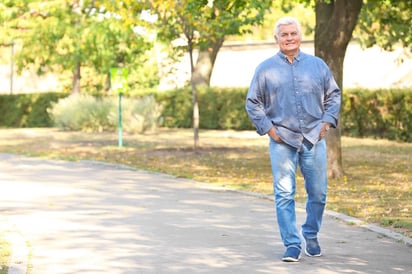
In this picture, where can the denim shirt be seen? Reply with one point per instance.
(295, 98)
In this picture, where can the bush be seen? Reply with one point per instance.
(364, 113)
(88, 113)
(138, 114)
(177, 108)
(218, 108)
(377, 113)
(224, 109)
(27, 110)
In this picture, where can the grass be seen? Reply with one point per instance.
(377, 186)
(5, 253)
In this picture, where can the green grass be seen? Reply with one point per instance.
(5, 253)
(377, 186)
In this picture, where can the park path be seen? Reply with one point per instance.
(90, 217)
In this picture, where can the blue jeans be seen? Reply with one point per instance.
(312, 161)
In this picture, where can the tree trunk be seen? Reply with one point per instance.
(205, 62)
(335, 21)
(200, 77)
(76, 79)
(195, 117)
(195, 103)
(107, 84)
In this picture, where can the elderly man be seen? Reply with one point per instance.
(294, 99)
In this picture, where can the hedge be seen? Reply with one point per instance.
(378, 113)
(218, 109)
(365, 113)
(27, 110)
(385, 113)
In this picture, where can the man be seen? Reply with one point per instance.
(294, 99)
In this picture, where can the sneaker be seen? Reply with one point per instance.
(292, 254)
(312, 247)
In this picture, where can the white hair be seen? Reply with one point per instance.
(286, 21)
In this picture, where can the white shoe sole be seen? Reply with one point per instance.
(310, 255)
(306, 252)
(291, 259)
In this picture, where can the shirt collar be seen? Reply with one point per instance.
(298, 57)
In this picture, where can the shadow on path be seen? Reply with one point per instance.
(86, 217)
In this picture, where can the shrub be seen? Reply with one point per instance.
(218, 108)
(224, 109)
(377, 113)
(88, 113)
(365, 113)
(138, 114)
(80, 112)
(27, 110)
(177, 108)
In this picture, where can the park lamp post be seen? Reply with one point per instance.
(118, 80)
(11, 45)
(11, 67)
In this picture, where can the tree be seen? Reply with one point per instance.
(205, 24)
(382, 23)
(66, 35)
(221, 19)
(11, 25)
(386, 24)
(335, 22)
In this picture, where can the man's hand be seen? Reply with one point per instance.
(324, 130)
(272, 133)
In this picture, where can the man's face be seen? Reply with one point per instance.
(289, 39)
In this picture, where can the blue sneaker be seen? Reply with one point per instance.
(292, 254)
(312, 247)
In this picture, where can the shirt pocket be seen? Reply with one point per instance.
(310, 83)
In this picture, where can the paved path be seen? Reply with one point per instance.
(86, 217)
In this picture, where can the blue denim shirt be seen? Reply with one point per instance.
(295, 98)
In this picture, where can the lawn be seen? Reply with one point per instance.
(377, 186)
(5, 253)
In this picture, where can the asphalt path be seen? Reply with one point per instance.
(92, 217)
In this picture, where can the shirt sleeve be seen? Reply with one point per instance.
(255, 102)
(332, 101)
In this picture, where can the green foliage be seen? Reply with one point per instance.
(59, 35)
(27, 110)
(305, 12)
(365, 113)
(204, 25)
(81, 112)
(386, 24)
(11, 12)
(139, 114)
(218, 108)
(177, 107)
(144, 74)
(92, 114)
(5, 253)
(378, 113)
(223, 109)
